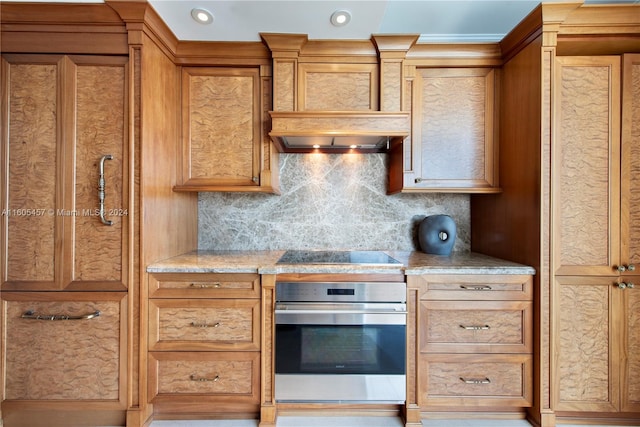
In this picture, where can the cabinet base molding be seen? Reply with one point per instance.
(601, 418)
(29, 417)
(460, 413)
(339, 410)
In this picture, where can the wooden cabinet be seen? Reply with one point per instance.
(64, 113)
(65, 354)
(65, 135)
(597, 234)
(224, 131)
(204, 343)
(474, 341)
(453, 144)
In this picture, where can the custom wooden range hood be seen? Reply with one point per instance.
(338, 131)
(338, 97)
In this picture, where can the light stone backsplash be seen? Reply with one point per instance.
(328, 201)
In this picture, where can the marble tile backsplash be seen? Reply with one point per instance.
(328, 201)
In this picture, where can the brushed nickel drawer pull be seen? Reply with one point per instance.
(476, 287)
(475, 327)
(35, 316)
(194, 377)
(205, 325)
(205, 285)
(101, 189)
(475, 380)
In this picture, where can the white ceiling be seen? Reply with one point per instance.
(434, 20)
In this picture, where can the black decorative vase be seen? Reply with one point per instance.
(437, 234)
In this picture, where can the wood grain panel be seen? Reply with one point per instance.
(476, 327)
(338, 87)
(587, 163)
(391, 84)
(631, 161)
(179, 324)
(67, 359)
(582, 364)
(221, 124)
(32, 162)
(453, 125)
(100, 131)
(284, 72)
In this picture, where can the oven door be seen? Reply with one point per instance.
(340, 352)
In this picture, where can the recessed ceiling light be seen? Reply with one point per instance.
(340, 18)
(202, 16)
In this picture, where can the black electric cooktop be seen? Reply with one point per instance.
(337, 257)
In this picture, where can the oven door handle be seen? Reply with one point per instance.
(346, 311)
(357, 308)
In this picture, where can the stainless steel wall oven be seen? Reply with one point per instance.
(340, 342)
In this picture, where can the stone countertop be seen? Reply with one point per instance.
(264, 262)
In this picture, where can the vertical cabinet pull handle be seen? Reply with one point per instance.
(101, 189)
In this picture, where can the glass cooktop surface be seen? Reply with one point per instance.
(337, 257)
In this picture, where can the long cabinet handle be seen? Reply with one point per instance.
(205, 285)
(194, 377)
(475, 380)
(475, 327)
(476, 287)
(205, 325)
(101, 189)
(35, 316)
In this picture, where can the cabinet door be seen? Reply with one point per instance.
(69, 348)
(586, 165)
(630, 356)
(586, 344)
(630, 181)
(64, 114)
(96, 250)
(631, 231)
(221, 127)
(453, 135)
(30, 159)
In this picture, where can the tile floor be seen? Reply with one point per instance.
(290, 421)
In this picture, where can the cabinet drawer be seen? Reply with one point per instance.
(204, 285)
(476, 327)
(233, 376)
(476, 287)
(476, 380)
(65, 358)
(181, 324)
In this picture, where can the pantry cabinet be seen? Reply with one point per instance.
(474, 341)
(204, 343)
(65, 227)
(597, 233)
(453, 143)
(224, 131)
(65, 211)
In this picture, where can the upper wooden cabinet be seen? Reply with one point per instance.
(453, 143)
(223, 131)
(66, 122)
